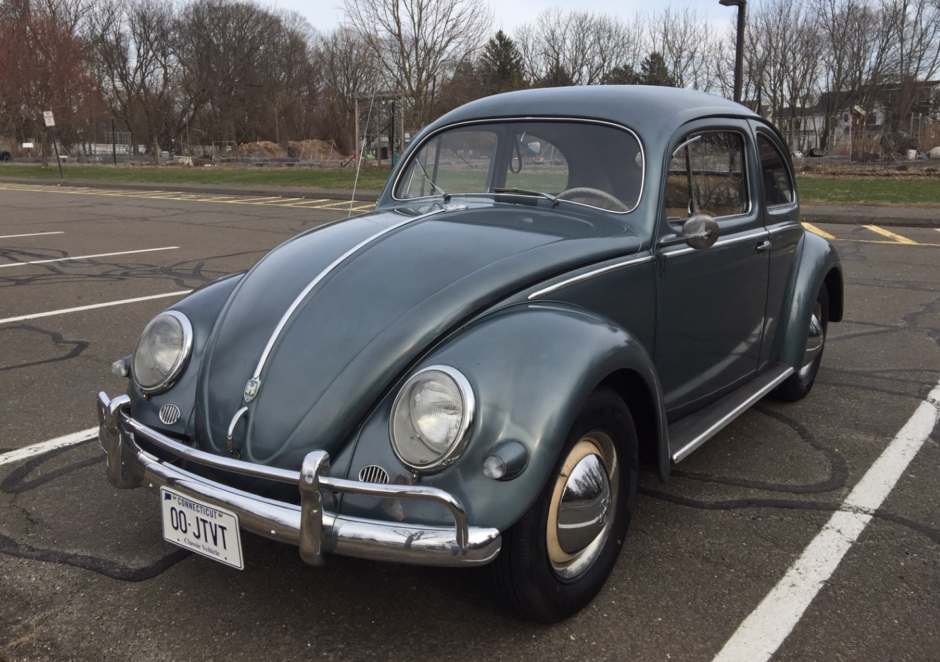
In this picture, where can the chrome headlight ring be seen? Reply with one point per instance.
(183, 349)
(403, 430)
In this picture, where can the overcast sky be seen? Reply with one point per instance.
(325, 15)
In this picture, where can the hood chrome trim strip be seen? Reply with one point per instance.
(316, 281)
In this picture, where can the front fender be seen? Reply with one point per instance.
(202, 308)
(819, 266)
(531, 367)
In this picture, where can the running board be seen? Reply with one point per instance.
(690, 432)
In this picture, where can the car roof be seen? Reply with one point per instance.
(648, 110)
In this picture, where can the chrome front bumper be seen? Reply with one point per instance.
(311, 525)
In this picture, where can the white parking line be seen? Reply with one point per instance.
(31, 234)
(46, 446)
(91, 307)
(762, 633)
(88, 257)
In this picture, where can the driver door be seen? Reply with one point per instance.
(712, 301)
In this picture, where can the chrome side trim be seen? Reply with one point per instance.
(782, 228)
(589, 275)
(311, 525)
(755, 234)
(694, 430)
(323, 274)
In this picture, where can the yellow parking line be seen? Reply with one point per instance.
(341, 203)
(304, 203)
(890, 235)
(258, 201)
(812, 228)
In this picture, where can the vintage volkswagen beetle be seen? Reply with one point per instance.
(555, 286)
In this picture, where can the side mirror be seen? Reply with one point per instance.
(698, 232)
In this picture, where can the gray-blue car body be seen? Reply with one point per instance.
(564, 283)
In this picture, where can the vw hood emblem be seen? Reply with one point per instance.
(251, 389)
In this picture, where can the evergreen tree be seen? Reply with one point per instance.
(623, 74)
(501, 65)
(653, 71)
(556, 76)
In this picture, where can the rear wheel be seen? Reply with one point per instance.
(798, 385)
(557, 557)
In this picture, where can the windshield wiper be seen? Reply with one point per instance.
(437, 188)
(524, 191)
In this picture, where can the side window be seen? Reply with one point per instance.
(706, 176)
(778, 189)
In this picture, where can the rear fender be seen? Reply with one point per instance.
(819, 266)
(531, 367)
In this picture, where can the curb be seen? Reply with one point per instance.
(883, 215)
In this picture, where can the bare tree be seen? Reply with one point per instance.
(684, 41)
(348, 67)
(579, 48)
(418, 41)
(914, 28)
(782, 58)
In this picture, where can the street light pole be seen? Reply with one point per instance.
(739, 47)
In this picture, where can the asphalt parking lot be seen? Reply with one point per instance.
(87, 575)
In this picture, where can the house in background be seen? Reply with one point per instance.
(865, 121)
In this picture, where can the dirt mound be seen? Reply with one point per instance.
(305, 150)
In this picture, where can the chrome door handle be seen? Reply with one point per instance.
(763, 246)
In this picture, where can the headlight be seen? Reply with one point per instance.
(162, 351)
(431, 418)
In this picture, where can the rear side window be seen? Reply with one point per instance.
(706, 176)
(778, 189)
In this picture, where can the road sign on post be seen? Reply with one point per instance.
(50, 125)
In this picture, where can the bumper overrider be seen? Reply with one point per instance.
(312, 525)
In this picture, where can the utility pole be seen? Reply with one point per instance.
(378, 138)
(113, 143)
(739, 48)
(391, 139)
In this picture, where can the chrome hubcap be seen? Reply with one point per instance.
(583, 505)
(816, 338)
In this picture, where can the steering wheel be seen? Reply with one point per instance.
(587, 190)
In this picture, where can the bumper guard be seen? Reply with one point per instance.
(312, 525)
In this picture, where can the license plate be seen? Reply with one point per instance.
(201, 528)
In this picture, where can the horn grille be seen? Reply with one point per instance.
(169, 414)
(373, 474)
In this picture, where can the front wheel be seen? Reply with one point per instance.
(797, 386)
(557, 557)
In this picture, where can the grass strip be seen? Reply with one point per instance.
(341, 178)
(870, 190)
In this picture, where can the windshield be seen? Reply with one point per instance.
(575, 161)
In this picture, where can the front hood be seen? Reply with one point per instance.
(366, 319)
